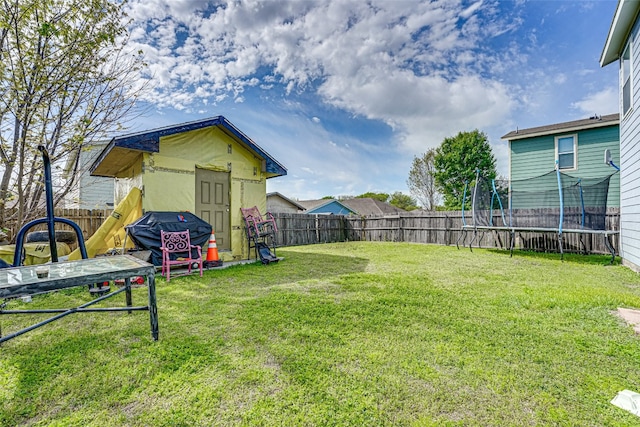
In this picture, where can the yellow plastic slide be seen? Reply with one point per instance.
(35, 253)
(111, 233)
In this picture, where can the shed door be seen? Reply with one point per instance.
(212, 204)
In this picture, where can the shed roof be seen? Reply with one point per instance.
(575, 125)
(621, 25)
(122, 151)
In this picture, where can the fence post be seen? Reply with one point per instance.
(343, 225)
(447, 230)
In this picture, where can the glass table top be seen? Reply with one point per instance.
(28, 274)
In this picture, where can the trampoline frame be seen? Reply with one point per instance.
(559, 231)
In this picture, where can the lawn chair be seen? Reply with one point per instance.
(177, 250)
(261, 233)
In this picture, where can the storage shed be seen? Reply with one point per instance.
(208, 167)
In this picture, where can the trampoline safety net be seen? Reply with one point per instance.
(554, 200)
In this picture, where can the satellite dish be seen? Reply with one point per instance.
(608, 160)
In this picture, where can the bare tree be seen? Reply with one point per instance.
(421, 182)
(66, 80)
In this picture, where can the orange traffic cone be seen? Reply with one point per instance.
(213, 260)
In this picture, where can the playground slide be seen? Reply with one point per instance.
(111, 233)
(34, 253)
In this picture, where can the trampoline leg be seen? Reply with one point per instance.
(609, 246)
(513, 240)
(475, 235)
(560, 246)
(480, 239)
(582, 245)
(463, 232)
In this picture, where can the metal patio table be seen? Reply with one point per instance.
(23, 281)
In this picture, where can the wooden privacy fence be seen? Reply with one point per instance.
(303, 229)
(441, 228)
(88, 220)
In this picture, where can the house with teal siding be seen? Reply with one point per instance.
(622, 46)
(576, 147)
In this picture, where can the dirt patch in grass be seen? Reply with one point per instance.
(631, 316)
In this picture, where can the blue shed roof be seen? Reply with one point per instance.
(123, 150)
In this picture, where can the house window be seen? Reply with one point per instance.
(566, 149)
(625, 79)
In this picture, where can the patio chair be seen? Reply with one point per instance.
(177, 250)
(260, 230)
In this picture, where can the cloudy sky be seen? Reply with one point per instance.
(345, 93)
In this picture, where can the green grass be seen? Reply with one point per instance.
(349, 334)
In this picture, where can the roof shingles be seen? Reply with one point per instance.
(591, 122)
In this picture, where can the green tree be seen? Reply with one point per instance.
(421, 181)
(403, 201)
(66, 80)
(456, 161)
(383, 197)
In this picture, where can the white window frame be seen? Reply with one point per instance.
(575, 151)
(628, 78)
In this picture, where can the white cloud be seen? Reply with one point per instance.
(427, 69)
(602, 102)
(468, 12)
(354, 43)
(419, 67)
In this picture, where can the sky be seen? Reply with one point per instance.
(344, 94)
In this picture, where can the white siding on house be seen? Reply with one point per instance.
(90, 192)
(277, 204)
(630, 166)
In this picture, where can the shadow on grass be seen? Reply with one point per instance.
(296, 266)
(604, 260)
(69, 347)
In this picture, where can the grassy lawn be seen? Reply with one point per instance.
(349, 334)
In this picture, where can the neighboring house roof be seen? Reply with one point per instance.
(122, 151)
(623, 20)
(312, 204)
(368, 206)
(286, 199)
(590, 123)
(325, 206)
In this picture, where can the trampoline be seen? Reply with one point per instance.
(555, 202)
